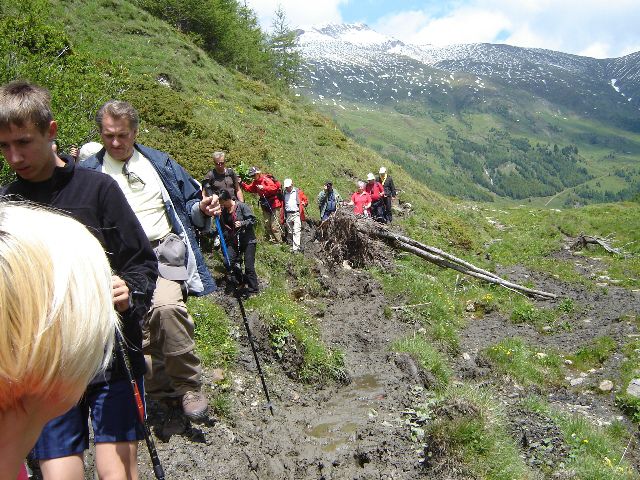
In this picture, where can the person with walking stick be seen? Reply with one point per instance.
(27, 131)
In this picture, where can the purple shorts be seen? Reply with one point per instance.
(114, 417)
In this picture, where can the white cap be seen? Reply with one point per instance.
(383, 170)
(88, 150)
(371, 176)
(287, 182)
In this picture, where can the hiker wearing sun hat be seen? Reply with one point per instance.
(376, 191)
(293, 212)
(389, 192)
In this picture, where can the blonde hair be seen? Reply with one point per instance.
(57, 321)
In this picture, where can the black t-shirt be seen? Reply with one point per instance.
(223, 181)
(95, 200)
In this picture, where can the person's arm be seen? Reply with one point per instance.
(133, 261)
(248, 218)
(237, 188)
(392, 187)
(200, 208)
(303, 198)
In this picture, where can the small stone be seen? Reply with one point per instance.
(568, 362)
(547, 328)
(576, 381)
(345, 265)
(471, 306)
(466, 356)
(295, 397)
(634, 388)
(541, 355)
(217, 375)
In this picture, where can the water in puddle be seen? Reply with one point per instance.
(346, 412)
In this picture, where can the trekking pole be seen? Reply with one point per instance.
(153, 453)
(227, 262)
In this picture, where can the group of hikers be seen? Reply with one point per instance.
(143, 212)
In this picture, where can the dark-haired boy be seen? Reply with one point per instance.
(27, 132)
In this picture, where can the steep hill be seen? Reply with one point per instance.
(548, 98)
(388, 368)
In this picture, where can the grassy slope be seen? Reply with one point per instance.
(257, 125)
(385, 128)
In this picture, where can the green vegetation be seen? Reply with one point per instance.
(469, 425)
(215, 344)
(594, 354)
(594, 453)
(630, 371)
(500, 149)
(293, 334)
(428, 357)
(525, 364)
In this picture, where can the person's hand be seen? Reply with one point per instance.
(74, 152)
(237, 224)
(210, 206)
(120, 294)
(326, 188)
(260, 187)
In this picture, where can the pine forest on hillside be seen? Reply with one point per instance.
(380, 365)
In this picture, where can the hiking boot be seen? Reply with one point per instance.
(195, 405)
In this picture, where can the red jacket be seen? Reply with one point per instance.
(302, 202)
(270, 189)
(375, 189)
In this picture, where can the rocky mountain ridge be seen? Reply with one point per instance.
(352, 62)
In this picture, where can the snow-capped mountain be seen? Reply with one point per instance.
(354, 63)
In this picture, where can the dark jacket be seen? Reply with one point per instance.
(246, 233)
(182, 204)
(228, 181)
(96, 201)
(389, 187)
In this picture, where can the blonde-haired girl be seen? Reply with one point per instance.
(48, 349)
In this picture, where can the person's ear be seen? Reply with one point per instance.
(52, 130)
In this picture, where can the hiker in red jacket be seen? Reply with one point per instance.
(268, 190)
(376, 190)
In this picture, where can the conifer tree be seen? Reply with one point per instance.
(284, 49)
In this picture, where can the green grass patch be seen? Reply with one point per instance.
(594, 354)
(214, 342)
(429, 357)
(469, 424)
(629, 370)
(526, 365)
(417, 282)
(595, 452)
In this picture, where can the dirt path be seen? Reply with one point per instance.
(350, 431)
(356, 430)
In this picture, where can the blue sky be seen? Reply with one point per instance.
(595, 28)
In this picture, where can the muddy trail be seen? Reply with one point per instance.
(356, 429)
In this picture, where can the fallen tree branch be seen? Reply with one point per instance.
(583, 240)
(488, 278)
(407, 307)
(363, 241)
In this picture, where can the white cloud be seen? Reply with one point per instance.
(598, 28)
(298, 13)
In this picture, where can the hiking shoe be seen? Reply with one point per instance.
(195, 405)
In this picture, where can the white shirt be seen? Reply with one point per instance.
(143, 190)
(291, 200)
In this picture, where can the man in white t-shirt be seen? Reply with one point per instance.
(169, 205)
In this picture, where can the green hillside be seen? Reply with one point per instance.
(508, 152)
(86, 52)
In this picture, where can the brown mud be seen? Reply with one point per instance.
(356, 430)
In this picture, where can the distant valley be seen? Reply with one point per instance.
(484, 121)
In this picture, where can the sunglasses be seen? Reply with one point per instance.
(133, 179)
